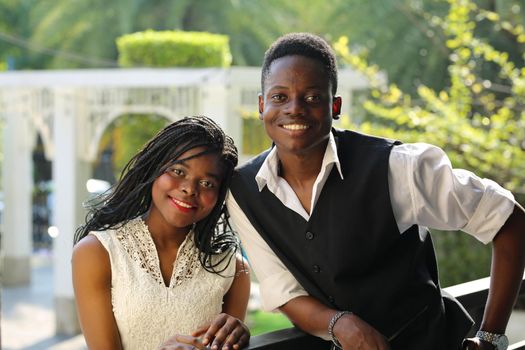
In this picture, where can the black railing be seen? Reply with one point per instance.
(471, 294)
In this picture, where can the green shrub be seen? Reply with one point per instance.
(173, 49)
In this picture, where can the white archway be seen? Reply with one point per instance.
(70, 110)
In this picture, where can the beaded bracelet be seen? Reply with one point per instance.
(331, 325)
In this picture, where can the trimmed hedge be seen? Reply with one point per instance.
(173, 49)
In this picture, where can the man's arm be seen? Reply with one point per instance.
(508, 263)
(277, 284)
(314, 317)
(279, 289)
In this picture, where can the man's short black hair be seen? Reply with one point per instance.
(302, 44)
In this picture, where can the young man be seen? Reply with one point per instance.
(333, 221)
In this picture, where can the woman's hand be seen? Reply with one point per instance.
(183, 342)
(225, 332)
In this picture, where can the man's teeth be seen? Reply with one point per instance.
(295, 126)
(182, 204)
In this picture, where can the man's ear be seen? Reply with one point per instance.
(261, 106)
(336, 107)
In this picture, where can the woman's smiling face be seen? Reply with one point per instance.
(187, 191)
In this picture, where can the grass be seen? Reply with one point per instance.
(263, 322)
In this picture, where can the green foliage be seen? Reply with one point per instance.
(173, 49)
(80, 34)
(461, 257)
(261, 322)
(482, 128)
(478, 120)
(254, 138)
(127, 135)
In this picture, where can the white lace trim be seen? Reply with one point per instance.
(138, 243)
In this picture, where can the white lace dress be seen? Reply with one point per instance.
(147, 312)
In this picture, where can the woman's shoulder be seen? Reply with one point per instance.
(90, 257)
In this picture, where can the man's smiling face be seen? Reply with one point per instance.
(297, 105)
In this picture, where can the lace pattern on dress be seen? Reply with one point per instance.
(138, 243)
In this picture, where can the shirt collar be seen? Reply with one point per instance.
(269, 172)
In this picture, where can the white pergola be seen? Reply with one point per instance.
(70, 111)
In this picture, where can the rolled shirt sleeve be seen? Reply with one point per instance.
(277, 285)
(426, 190)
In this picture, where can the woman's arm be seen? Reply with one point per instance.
(236, 299)
(227, 331)
(92, 285)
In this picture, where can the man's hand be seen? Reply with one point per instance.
(477, 344)
(225, 332)
(355, 334)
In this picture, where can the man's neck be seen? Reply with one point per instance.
(301, 170)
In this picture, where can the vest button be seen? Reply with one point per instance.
(331, 299)
(316, 268)
(309, 235)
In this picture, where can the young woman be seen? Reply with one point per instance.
(156, 257)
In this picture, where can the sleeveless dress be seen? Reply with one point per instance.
(148, 312)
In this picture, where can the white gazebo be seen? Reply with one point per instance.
(70, 111)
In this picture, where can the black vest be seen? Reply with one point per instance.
(350, 255)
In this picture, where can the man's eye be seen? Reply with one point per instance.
(313, 98)
(207, 184)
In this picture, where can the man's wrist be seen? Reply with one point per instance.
(331, 326)
(499, 341)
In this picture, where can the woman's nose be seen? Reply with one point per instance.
(189, 188)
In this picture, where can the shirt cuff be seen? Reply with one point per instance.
(492, 212)
(276, 290)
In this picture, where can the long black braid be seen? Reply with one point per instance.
(131, 196)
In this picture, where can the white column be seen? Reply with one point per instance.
(218, 103)
(70, 173)
(17, 185)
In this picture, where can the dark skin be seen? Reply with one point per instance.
(185, 193)
(297, 108)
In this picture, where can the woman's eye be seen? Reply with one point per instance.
(177, 172)
(278, 98)
(207, 184)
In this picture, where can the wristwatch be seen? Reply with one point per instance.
(500, 341)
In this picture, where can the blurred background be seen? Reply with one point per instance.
(85, 83)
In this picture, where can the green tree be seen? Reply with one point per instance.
(127, 135)
(405, 38)
(478, 122)
(82, 33)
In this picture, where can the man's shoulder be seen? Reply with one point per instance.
(343, 135)
(253, 164)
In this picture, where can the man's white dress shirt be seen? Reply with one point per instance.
(424, 190)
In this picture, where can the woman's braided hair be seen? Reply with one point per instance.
(131, 196)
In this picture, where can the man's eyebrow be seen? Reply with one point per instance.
(273, 87)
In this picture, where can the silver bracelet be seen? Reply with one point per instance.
(331, 325)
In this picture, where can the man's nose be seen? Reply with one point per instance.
(296, 106)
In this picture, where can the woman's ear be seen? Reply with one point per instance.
(261, 106)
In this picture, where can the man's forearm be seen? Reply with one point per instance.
(309, 314)
(508, 261)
